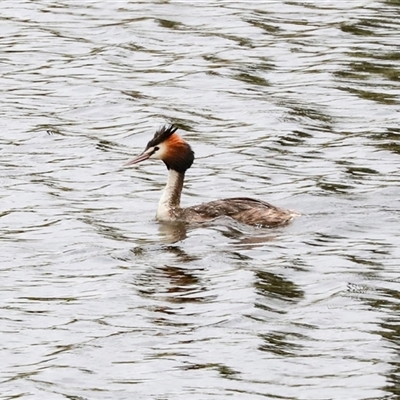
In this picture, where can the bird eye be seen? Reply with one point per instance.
(156, 148)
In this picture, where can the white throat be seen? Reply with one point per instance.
(169, 204)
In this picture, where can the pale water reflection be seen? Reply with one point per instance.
(295, 103)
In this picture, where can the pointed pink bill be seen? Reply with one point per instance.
(138, 159)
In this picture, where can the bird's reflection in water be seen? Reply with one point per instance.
(177, 281)
(241, 235)
(172, 232)
(174, 291)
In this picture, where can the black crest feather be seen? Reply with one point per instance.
(162, 134)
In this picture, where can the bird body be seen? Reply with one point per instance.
(178, 157)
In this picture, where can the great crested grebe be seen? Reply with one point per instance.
(178, 156)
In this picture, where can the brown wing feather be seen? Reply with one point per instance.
(242, 209)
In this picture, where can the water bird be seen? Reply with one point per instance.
(178, 156)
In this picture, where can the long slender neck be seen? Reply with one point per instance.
(168, 206)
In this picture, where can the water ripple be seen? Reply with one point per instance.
(294, 103)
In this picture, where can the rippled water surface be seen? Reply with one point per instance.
(293, 102)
